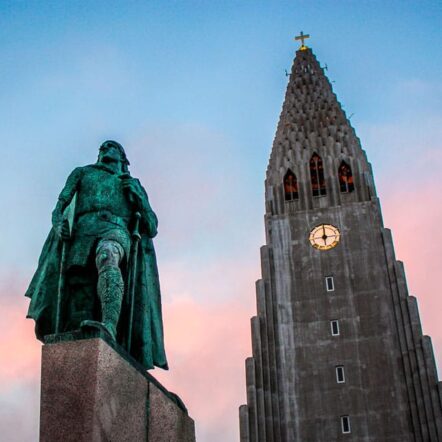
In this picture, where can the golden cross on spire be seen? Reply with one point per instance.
(302, 37)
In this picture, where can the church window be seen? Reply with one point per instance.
(317, 175)
(345, 424)
(290, 186)
(334, 326)
(329, 284)
(345, 178)
(340, 377)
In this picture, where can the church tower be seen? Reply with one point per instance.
(338, 350)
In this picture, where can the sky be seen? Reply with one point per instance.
(193, 90)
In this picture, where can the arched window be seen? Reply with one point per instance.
(290, 186)
(345, 178)
(317, 175)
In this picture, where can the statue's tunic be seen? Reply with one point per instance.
(103, 211)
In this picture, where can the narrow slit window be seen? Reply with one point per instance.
(340, 375)
(334, 326)
(290, 186)
(317, 175)
(345, 424)
(345, 178)
(329, 284)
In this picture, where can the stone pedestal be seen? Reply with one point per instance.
(92, 391)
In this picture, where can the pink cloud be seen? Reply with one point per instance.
(19, 350)
(207, 332)
(415, 215)
(207, 344)
(19, 363)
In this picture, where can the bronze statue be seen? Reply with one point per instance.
(98, 267)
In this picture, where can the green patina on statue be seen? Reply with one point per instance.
(98, 267)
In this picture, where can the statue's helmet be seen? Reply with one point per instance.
(120, 148)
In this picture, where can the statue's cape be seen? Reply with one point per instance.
(147, 345)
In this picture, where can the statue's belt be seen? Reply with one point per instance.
(106, 215)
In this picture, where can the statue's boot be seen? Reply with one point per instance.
(110, 290)
(89, 324)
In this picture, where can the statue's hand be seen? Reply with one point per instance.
(133, 188)
(61, 228)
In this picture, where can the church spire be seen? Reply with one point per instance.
(311, 115)
(312, 122)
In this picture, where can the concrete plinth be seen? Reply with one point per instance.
(92, 391)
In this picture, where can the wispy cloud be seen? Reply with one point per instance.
(19, 351)
(19, 364)
(207, 345)
(415, 217)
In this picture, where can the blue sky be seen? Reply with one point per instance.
(193, 90)
(75, 73)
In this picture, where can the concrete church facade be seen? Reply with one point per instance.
(338, 350)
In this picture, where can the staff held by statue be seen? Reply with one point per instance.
(132, 277)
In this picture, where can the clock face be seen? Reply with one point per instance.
(324, 237)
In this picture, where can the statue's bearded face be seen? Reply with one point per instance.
(109, 153)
